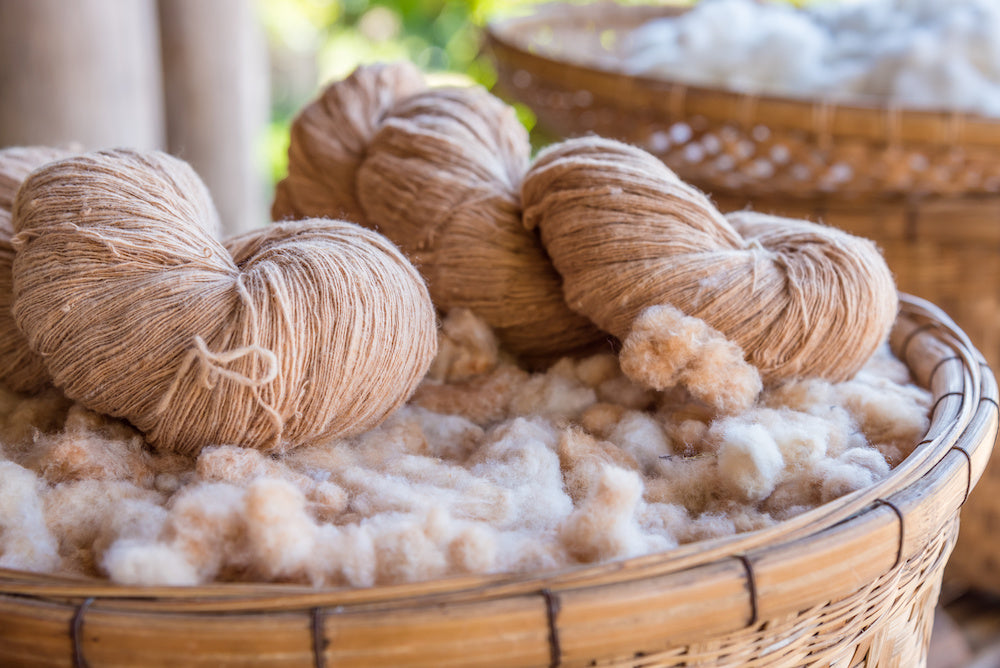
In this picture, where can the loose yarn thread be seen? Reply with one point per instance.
(298, 332)
(20, 368)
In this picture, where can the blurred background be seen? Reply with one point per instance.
(215, 82)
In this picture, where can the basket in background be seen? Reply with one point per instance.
(923, 185)
(851, 583)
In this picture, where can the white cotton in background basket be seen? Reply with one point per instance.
(922, 54)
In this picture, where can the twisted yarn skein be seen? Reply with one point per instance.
(329, 140)
(438, 171)
(626, 234)
(20, 368)
(313, 330)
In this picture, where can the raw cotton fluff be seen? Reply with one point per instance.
(626, 234)
(490, 471)
(438, 172)
(467, 348)
(922, 54)
(28, 544)
(665, 348)
(20, 368)
(299, 332)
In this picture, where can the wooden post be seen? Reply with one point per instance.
(85, 71)
(215, 76)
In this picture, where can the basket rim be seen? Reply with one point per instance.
(965, 417)
(509, 40)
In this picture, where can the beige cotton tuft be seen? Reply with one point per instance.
(437, 171)
(626, 234)
(666, 348)
(307, 331)
(20, 368)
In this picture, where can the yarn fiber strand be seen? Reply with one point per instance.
(440, 175)
(20, 368)
(626, 234)
(316, 329)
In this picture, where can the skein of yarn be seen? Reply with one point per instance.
(626, 234)
(438, 171)
(329, 140)
(310, 330)
(20, 368)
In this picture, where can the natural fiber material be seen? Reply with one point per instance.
(444, 174)
(438, 172)
(625, 234)
(20, 368)
(666, 348)
(311, 330)
(573, 465)
(329, 140)
(850, 583)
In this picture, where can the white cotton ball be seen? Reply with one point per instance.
(206, 524)
(448, 436)
(137, 562)
(25, 541)
(473, 549)
(521, 551)
(521, 456)
(553, 395)
(750, 461)
(281, 536)
(867, 458)
(801, 438)
(346, 555)
(604, 526)
(853, 470)
(786, 54)
(404, 550)
(597, 369)
(641, 436)
(910, 53)
(886, 412)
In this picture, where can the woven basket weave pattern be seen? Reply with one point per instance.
(755, 158)
(563, 69)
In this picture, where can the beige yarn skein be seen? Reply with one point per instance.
(438, 171)
(330, 137)
(316, 329)
(626, 234)
(20, 368)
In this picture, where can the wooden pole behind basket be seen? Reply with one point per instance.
(215, 78)
(86, 71)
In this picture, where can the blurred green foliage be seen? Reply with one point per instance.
(316, 41)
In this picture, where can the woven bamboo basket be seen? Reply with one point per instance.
(924, 185)
(851, 583)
